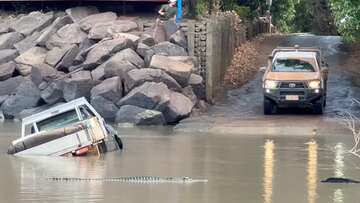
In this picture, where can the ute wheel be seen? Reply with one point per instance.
(118, 141)
(319, 106)
(268, 107)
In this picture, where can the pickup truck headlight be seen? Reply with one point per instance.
(315, 84)
(271, 84)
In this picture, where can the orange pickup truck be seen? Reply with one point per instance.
(295, 77)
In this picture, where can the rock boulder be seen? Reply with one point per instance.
(169, 49)
(90, 21)
(110, 89)
(26, 95)
(78, 13)
(7, 70)
(107, 109)
(65, 36)
(178, 70)
(35, 21)
(179, 38)
(139, 116)
(108, 29)
(138, 77)
(7, 55)
(8, 40)
(104, 50)
(150, 95)
(178, 107)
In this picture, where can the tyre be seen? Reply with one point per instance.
(319, 106)
(268, 107)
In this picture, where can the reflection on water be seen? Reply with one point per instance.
(239, 169)
(339, 170)
(268, 170)
(34, 172)
(312, 171)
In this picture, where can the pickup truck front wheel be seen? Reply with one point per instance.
(319, 106)
(269, 107)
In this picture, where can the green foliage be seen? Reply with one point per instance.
(284, 14)
(304, 18)
(202, 7)
(243, 11)
(347, 18)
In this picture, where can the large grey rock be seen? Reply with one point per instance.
(169, 49)
(42, 72)
(78, 13)
(52, 29)
(106, 108)
(31, 58)
(98, 73)
(27, 43)
(9, 86)
(54, 56)
(85, 46)
(142, 49)
(35, 21)
(8, 40)
(198, 86)
(139, 116)
(68, 58)
(104, 50)
(26, 95)
(134, 38)
(180, 71)
(7, 70)
(108, 29)
(138, 77)
(53, 93)
(179, 38)
(178, 107)
(5, 26)
(150, 95)
(7, 55)
(131, 56)
(189, 93)
(67, 35)
(147, 39)
(79, 85)
(115, 66)
(110, 89)
(88, 22)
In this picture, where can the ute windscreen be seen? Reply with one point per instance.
(292, 65)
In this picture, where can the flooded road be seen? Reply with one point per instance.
(262, 169)
(246, 157)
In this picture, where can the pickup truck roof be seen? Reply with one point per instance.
(300, 54)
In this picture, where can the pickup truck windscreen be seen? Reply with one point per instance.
(58, 121)
(292, 65)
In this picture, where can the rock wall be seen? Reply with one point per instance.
(127, 75)
(213, 41)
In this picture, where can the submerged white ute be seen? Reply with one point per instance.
(73, 128)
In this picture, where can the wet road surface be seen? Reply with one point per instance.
(243, 107)
(247, 157)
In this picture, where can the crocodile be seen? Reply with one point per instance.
(339, 180)
(134, 179)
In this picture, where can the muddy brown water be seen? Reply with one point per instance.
(239, 169)
(246, 157)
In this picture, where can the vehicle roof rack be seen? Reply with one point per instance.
(297, 48)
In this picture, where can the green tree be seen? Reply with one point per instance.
(283, 12)
(347, 18)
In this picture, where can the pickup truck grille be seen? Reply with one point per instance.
(284, 93)
(292, 85)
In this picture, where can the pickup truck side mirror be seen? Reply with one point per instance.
(324, 64)
(262, 69)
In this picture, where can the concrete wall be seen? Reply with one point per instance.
(213, 41)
